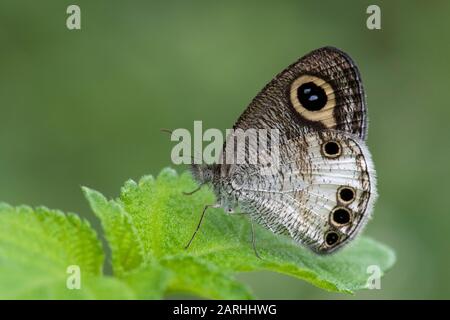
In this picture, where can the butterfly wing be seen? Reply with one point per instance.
(322, 90)
(321, 193)
(322, 190)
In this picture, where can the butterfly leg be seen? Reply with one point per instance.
(200, 222)
(254, 242)
(253, 233)
(193, 191)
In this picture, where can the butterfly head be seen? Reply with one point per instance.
(204, 173)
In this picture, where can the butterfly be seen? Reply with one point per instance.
(323, 189)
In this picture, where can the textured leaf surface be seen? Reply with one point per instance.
(165, 220)
(136, 236)
(125, 244)
(37, 247)
(147, 228)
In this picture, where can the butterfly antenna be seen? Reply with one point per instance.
(170, 132)
(192, 158)
(166, 131)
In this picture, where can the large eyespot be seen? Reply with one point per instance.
(331, 238)
(340, 216)
(313, 98)
(346, 194)
(331, 149)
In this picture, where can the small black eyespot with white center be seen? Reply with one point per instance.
(346, 195)
(311, 96)
(340, 216)
(331, 149)
(331, 238)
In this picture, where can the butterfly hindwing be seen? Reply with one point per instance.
(320, 194)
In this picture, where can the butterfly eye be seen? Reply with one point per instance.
(311, 96)
(331, 149)
(340, 216)
(331, 238)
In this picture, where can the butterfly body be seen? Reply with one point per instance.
(322, 190)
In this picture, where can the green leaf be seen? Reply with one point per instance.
(147, 229)
(125, 233)
(129, 262)
(149, 281)
(165, 220)
(125, 244)
(38, 246)
(200, 277)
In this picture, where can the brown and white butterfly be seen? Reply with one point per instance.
(322, 192)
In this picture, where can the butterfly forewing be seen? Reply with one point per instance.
(322, 90)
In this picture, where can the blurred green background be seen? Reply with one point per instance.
(85, 107)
